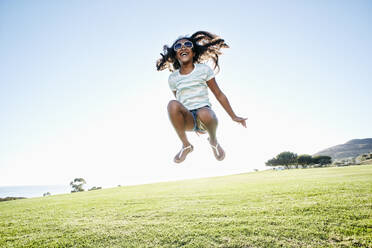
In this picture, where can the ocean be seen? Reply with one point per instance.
(33, 191)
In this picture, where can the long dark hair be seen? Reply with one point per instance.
(207, 46)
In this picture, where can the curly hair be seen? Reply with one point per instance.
(206, 46)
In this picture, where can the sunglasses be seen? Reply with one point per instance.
(179, 45)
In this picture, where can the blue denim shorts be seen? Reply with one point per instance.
(194, 113)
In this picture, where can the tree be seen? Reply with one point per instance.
(284, 158)
(305, 160)
(272, 162)
(322, 160)
(77, 185)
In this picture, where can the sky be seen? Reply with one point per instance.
(80, 95)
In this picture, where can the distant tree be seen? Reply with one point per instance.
(322, 160)
(47, 194)
(272, 162)
(94, 188)
(305, 160)
(77, 185)
(10, 198)
(285, 158)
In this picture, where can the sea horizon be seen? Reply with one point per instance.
(30, 191)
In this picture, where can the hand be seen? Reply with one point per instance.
(240, 120)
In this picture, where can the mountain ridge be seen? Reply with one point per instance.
(352, 148)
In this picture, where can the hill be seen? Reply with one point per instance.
(352, 148)
(325, 207)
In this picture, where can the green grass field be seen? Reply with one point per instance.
(325, 207)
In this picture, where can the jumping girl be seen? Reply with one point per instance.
(189, 82)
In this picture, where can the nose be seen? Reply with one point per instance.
(183, 47)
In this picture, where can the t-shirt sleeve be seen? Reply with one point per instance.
(210, 73)
(172, 83)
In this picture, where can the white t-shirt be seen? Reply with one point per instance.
(192, 89)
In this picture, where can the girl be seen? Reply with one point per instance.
(189, 82)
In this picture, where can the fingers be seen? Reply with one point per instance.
(242, 121)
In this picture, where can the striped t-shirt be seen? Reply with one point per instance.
(192, 89)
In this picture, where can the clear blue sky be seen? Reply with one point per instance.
(80, 95)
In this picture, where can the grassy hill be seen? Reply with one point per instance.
(325, 207)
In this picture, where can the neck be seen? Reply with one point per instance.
(187, 67)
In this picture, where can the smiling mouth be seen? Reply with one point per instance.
(183, 54)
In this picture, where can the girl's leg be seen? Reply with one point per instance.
(209, 120)
(182, 121)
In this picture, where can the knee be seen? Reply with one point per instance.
(206, 116)
(173, 106)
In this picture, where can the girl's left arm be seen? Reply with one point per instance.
(212, 84)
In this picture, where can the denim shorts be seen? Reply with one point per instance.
(194, 113)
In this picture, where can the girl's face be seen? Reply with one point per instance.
(184, 52)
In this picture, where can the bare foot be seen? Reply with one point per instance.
(218, 152)
(181, 155)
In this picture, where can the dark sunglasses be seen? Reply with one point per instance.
(179, 45)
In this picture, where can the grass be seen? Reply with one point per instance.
(325, 207)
